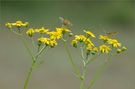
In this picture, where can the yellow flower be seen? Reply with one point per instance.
(41, 39)
(42, 30)
(19, 24)
(30, 32)
(114, 43)
(48, 41)
(74, 42)
(89, 33)
(55, 35)
(89, 47)
(80, 38)
(53, 43)
(63, 30)
(89, 42)
(105, 38)
(104, 48)
(8, 25)
(95, 49)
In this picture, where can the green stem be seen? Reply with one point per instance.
(80, 53)
(38, 49)
(14, 31)
(41, 51)
(82, 78)
(29, 74)
(33, 59)
(33, 43)
(84, 71)
(26, 46)
(33, 66)
(89, 61)
(76, 70)
(99, 72)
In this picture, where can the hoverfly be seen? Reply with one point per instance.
(65, 22)
(109, 33)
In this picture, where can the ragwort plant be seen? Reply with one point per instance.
(82, 43)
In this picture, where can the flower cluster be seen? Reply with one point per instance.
(17, 24)
(49, 38)
(84, 39)
(109, 44)
(83, 44)
(49, 41)
(54, 35)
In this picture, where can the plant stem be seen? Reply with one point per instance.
(33, 43)
(29, 74)
(76, 70)
(99, 72)
(14, 31)
(82, 79)
(84, 71)
(33, 59)
(80, 53)
(33, 66)
(39, 52)
(89, 61)
(25, 45)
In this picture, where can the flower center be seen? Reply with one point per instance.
(19, 22)
(115, 41)
(104, 46)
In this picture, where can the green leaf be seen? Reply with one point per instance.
(38, 64)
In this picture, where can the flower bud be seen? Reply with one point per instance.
(93, 52)
(39, 43)
(70, 34)
(123, 48)
(26, 24)
(74, 43)
(118, 50)
(88, 52)
(8, 25)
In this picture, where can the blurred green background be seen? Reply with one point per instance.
(55, 73)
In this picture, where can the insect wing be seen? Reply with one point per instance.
(111, 33)
(61, 19)
(65, 22)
